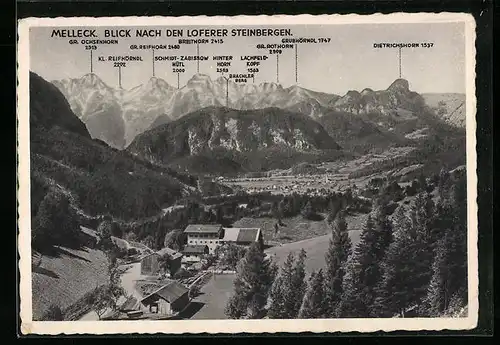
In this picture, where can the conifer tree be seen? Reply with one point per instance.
(336, 257)
(255, 275)
(313, 305)
(423, 217)
(308, 211)
(448, 284)
(396, 292)
(444, 184)
(277, 299)
(281, 291)
(299, 284)
(382, 228)
(364, 274)
(438, 295)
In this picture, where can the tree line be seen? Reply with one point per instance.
(411, 263)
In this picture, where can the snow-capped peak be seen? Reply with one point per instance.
(199, 79)
(91, 80)
(158, 83)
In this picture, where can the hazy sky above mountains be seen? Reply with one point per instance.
(348, 62)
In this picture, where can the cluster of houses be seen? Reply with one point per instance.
(202, 240)
(165, 297)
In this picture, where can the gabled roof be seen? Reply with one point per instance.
(196, 249)
(89, 232)
(231, 234)
(202, 228)
(170, 292)
(248, 235)
(172, 253)
(130, 304)
(166, 250)
(241, 234)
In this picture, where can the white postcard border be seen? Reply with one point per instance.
(28, 326)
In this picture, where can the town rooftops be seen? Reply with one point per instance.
(202, 229)
(241, 235)
(196, 249)
(170, 292)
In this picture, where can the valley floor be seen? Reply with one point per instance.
(335, 176)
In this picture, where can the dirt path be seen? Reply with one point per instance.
(128, 279)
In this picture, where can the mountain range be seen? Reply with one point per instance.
(117, 116)
(99, 179)
(219, 138)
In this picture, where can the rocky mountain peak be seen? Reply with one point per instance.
(199, 78)
(158, 83)
(91, 80)
(399, 85)
(270, 86)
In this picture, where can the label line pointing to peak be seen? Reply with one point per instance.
(296, 67)
(277, 69)
(153, 62)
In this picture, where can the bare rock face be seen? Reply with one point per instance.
(97, 105)
(386, 102)
(242, 133)
(117, 116)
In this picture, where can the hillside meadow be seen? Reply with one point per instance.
(65, 277)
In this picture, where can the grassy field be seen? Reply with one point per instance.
(214, 295)
(294, 229)
(66, 277)
(314, 238)
(316, 247)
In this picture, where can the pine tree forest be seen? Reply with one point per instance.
(411, 262)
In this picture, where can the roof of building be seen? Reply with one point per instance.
(172, 253)
(170, 292)
(248, 235)
(202, 228)
(241, 234)
(120, 243)
(195, 249)
(89, 232)
(231, 234)
(130, 304)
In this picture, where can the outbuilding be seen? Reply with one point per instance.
(151, 264)
(167, 300)
(194, 253)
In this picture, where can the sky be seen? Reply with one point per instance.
(348, 62)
